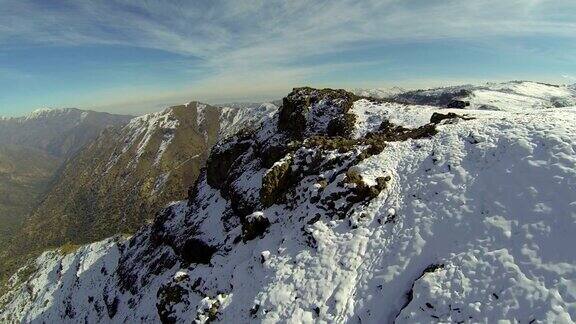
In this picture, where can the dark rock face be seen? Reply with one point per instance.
(393, 133)
(222, 159)
(196, 251)
(361, 190)
(292, 116)
(112, 307)
(438, 117)
(342, 125)
(272, 154)
(254, 226)
(168, 296)
(187, 247)
(458, 104)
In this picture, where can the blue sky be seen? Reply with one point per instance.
(137, 56)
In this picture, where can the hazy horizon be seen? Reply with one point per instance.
(142, 108)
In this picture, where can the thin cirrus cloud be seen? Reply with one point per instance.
(232, 41)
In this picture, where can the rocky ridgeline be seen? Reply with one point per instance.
(309, 144)
(312, 142)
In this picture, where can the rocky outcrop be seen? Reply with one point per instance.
(307, 111)
(458, 104)
(315, 129)
(254, 225)
(275, 182)
(436, 118)
(222, 159)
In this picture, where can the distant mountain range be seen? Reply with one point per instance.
(58, 132)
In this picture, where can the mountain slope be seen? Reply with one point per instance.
(120, 180)
(32, 149)
(25, 174)
(332, 213)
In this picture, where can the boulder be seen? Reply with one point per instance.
(458, 104)
(254, 225)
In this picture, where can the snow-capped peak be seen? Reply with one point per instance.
(40, 111)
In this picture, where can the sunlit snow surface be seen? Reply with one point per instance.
(490, 203)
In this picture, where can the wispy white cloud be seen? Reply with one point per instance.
(234, 31)
(257, 43)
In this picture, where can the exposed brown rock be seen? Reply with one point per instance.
(275, 183)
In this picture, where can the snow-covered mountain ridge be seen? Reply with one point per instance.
(344, 209)
(507, 96)
(119, 181)
(46, 113)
